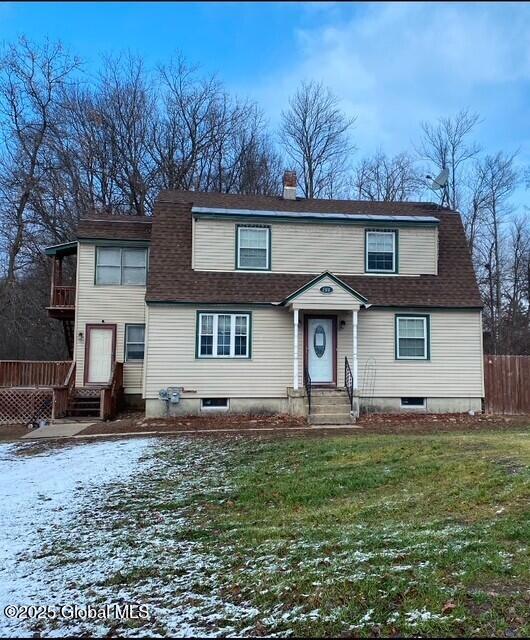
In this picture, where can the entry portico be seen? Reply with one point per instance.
(320, 307)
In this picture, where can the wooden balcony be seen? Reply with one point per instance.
(62, 302)
(62, 293)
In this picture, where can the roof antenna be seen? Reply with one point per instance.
(440, 184)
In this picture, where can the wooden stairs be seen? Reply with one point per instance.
(84, 406)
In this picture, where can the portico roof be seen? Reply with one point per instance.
(326, 275)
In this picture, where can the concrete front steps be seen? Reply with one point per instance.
(330, 406)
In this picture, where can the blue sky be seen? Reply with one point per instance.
(392, 65)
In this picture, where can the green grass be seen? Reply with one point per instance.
(379, 535)
(311, 536)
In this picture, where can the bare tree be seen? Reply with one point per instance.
(31, 87)
(315, 135)
(516, 325)
(127, 108)
(194, 110)
(204, 139)
(384, 178)
(446, 145)
(475, 210)
(499, 179)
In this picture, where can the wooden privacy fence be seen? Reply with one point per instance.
(32, 373)
(507, 384)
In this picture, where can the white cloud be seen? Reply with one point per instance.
(397, 64)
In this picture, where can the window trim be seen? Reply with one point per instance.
(426, 340)
(268, 246)
(217, 312)
(126, 342)
(395, 265)
(121, 248)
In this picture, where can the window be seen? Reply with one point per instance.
(134, 341)
(381, 251)
(253, 248)
(121, 266)
(214, 404)
(223, 335)
(413, 403)
(412, 337)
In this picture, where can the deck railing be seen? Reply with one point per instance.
(33, 373)
(63, 393)
(62, 296)
(31, 391)
(112, 394)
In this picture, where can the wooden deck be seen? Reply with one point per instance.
(33, 390)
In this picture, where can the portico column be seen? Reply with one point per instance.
(295, 350)
(355, 377)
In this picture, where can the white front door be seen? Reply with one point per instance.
(320, 349)
(100, 348)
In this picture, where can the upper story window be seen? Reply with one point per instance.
(223, 335)
(381, 251)
(253, 244)
(412, 337)
(121, 265)
(134, 342)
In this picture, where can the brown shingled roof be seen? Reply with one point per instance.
(171, 278)
(114, 227)
(277, 203)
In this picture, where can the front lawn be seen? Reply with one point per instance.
(383, 535)
(351, 535)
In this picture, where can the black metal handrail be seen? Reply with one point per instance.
(348, 381)
(307, 385)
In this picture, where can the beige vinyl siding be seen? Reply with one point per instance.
(454, 370)
(313, 298)
(171, 355)
(313, 248)
(418, 251)
(119, 305)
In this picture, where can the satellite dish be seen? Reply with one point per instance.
(441, 180)
(440, 184)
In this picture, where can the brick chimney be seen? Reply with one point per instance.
(289, 185)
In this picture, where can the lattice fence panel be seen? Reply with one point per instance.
(88, 392)
(21, 406)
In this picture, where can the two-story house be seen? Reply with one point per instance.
(279, 304)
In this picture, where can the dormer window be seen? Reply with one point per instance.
(381, 251)
(253, 245)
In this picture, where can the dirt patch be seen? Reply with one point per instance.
(413, 424)
(131, 424)
(12, 432)
(425, 423)
(510, 466)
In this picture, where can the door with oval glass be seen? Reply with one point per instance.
(320, 349)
